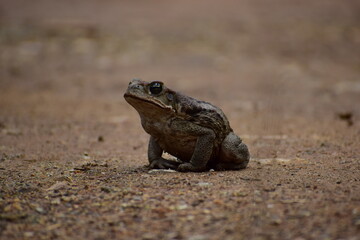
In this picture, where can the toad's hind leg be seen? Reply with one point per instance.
(234, 154)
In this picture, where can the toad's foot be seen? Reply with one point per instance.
(162, 163)
(188, 167)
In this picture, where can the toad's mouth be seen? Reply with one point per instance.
(153, 101)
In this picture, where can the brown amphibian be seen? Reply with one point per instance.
(197, 133)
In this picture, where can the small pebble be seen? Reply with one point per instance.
(203, 184)
(161, 171)
(28, 234)
(39, 209)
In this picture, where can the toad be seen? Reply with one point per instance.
(196, 132)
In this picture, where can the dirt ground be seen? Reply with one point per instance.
(73, 153)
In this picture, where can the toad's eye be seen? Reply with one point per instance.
(156, 87)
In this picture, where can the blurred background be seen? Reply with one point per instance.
(274, 67)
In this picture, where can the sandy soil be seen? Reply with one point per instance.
(73, 153)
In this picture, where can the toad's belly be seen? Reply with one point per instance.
(177, 143)
(181, 147)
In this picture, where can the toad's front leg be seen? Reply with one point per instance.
(203, 148)
(155, 157)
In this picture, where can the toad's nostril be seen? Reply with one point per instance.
(134, 86)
